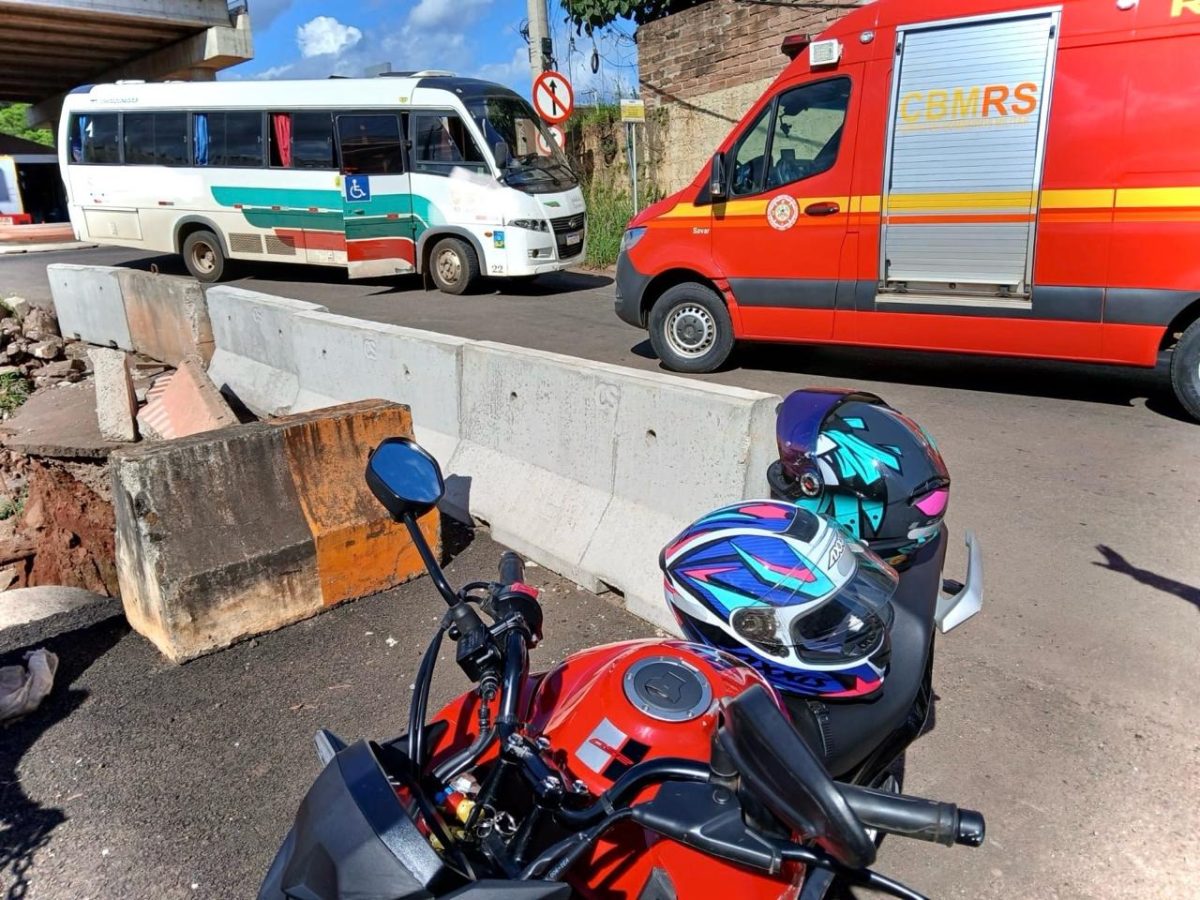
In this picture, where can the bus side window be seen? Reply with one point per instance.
(95, 139)
(302, 140)
(441, 142)
(155, 139)
(230, 139)
(370, 144)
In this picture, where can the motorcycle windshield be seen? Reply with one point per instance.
(852, 623)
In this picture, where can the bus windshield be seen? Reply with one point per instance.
(536, 167)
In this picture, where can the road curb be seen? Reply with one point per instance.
(47, 612)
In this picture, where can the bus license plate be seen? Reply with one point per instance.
(574, 238)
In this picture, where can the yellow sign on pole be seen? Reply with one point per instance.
(633, 111)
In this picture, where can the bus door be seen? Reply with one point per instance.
(779, 234)
(376, 195)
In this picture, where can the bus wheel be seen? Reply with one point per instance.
(1185, 370)
(690, 329)
(203, 256)
(453, 266)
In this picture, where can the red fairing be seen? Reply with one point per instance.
(596, 732)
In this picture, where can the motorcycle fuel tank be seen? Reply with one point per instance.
(609, 708)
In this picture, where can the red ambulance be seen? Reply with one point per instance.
(976, 176)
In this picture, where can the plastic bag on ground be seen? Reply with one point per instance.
(23, 688)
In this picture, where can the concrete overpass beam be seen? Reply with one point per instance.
(197, 58)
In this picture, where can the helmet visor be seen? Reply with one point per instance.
(852, 624)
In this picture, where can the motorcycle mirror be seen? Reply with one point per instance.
(404, 478)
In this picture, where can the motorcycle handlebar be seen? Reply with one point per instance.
(512, 568)
(912, 817)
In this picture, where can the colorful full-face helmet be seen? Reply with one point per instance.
(849, 455)
(787, 591)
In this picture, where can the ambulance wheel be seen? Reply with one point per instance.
(690, 329)
(203, 256)
(1185, 370)
(453, 266)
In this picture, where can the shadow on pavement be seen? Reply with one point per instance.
(250, 273)
(25, 824)
(1112, 385)
(1115, 562)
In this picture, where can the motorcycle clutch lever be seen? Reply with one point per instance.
(961, 602)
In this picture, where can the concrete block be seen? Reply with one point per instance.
(116, 403)
(254, 358)
(89, 304)
(359, 548)
(683, 448)
(183, 404)
(342, 359)
(537, 445)
(167, 316)
(591, 468)
(243, 530)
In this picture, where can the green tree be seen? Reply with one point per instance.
(588, 15)
(12, 121)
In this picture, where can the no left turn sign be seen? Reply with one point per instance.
(552, 97)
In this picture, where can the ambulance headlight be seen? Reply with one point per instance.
(530, 224)
(631, 237)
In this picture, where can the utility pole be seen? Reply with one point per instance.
(540, 47)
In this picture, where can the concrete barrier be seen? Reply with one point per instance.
(167, 316)
(243, 530)
(254, 357)
(342, 359)
(683, 448)
(591, 468)
(586, 468)
(89, 304)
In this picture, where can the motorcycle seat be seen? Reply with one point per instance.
(844, 734)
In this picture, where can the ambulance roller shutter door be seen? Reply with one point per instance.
(966, 141)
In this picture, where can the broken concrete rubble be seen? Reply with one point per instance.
(234, 532)
(116, 402)
(184, 403)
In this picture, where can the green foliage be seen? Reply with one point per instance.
(12, 121)
(609, 212)
(14, 390)
(13, 506)
(588, 15)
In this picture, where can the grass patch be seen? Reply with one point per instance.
(14, 390)
(609, 212)
(13, 506)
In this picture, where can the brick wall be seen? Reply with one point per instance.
(704, 66)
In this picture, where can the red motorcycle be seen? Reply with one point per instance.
(650, 769)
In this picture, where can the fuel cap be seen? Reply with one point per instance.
(668, 689)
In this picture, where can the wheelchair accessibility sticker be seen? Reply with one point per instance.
(358, 188)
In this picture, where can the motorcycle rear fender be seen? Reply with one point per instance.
(962, 602)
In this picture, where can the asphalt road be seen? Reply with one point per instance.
(1066, 709)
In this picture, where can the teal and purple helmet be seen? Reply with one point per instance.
(787, 591)
(848, 455)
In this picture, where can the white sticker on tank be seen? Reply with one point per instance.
(601, 746)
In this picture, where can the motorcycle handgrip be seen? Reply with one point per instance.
(912, 817)
(512, 568)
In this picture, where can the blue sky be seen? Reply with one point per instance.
(317, 38)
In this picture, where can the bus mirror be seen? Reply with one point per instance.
(716, 178)
(500, 151)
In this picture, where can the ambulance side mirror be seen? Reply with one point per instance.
(716, 177)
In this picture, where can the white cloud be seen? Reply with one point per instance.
(514, 73)
(324, 35)
(439, 13)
